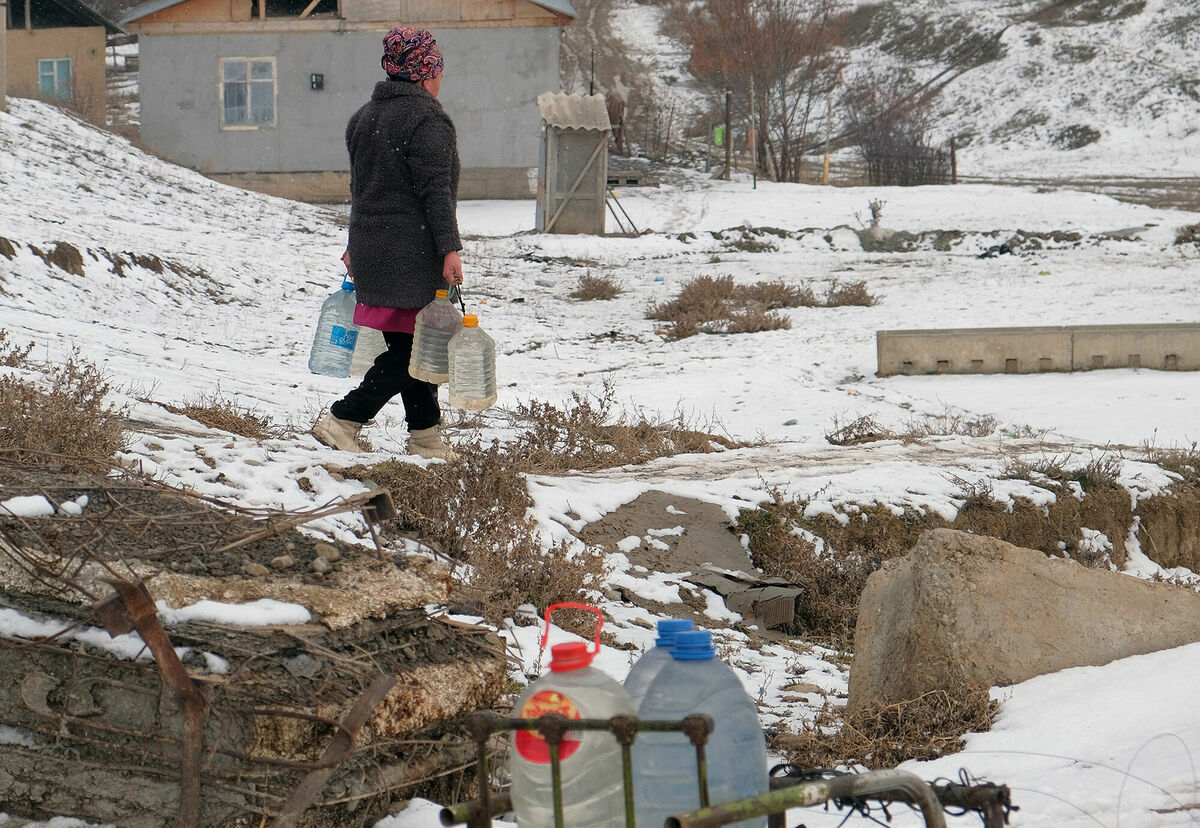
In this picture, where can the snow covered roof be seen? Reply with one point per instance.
(560, 6)
(558, 109)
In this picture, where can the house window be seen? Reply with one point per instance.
(247, 92)
(54, 78)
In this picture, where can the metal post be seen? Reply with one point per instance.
(953, 162)
(828, 122)
(3, 58)
(728, 132)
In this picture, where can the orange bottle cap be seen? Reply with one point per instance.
(470, 320)
(442, 294)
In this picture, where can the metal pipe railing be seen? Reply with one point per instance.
(816, 791)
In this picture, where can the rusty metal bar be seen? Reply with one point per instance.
(479, 726)
(815, 792)
(471, 813)
(142, 613)
(625, 729)
(339, 747)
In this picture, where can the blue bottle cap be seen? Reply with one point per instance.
(667, 629)
(695, 645)
(347, 284)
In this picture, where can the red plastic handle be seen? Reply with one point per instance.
(572, 605)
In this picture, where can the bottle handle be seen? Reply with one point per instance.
(573, 605)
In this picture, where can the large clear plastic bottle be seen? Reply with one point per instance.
(472, 355)
(333, 344)
(436, 323)
(664, 764)
(370, 345)
(646, 669)
(593, 792)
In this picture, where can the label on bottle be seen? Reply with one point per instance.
(342, 337)
(530, 744)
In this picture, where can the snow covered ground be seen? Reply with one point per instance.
(242, 277)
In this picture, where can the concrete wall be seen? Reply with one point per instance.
(83, 44)
(492, 79)
(1168, 347)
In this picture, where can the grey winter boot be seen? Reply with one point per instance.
(339, 434)
(428, 443)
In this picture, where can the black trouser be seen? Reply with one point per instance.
(388, 377)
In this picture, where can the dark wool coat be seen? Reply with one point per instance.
(403, 192)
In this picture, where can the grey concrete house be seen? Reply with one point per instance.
(257, 92)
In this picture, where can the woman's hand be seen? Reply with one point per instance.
(452, 268)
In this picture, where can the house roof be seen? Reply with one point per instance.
(560, 6)
(131, 12)
(558, 109)
(83, 13)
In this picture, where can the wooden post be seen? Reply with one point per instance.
(728, 133)
(828, 121)
(752, 137)
(953, 162)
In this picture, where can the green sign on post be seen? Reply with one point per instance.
(719, 136)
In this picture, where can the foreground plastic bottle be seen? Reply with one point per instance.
(370, 345)
(592, 787)
(472, 355)
(664, 764)
(436, 323)
(646, 669)
(333, 344)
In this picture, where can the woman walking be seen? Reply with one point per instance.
(404, 239)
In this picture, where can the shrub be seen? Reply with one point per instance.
(60, 419)
(474, 510)
(862, 429)
(848, 294)
(592, 287)
(13, 356)
(715, 305)
(885, 735)
(588, 434)
(951, 422)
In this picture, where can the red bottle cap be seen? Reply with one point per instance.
(570, 656)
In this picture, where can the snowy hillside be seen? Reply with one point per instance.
(183, 287)
(1032, 88)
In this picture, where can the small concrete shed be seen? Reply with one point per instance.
(573, 168)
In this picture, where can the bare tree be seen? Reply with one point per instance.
(782, 54)
(887, 118)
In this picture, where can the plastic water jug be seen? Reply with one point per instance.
(664, 764)
(646, 669)
(436, 323)
(333, 345)
(370, 344)
(472, 355)
(593, 793)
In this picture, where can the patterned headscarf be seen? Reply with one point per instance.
(411, 55)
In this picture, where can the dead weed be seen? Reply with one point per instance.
(591, 287)
(475, 511)
(217, 411)
(588, 434)
(61, 419)
(886, 735)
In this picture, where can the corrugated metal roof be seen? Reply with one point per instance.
(147, 8)
(560, 6)
(558, 109)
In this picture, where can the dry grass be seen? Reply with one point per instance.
(1100, 472)
(951, 423)
(13, 356)
(64, 256)
(588, 434)
(217, 411)
(60, 420)
(848, 294)
(591, 287)
(716, 305)
(1183, 461)
(7, 249)
(885, 735)
(474, 510)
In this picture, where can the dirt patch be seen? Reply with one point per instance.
(676, 534)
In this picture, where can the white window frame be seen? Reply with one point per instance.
(221, 63)
(54, 62)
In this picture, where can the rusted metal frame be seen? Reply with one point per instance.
(144, 615)
(553, 727)
(339, 747)
(813, 792)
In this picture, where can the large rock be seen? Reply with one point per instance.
(996, 614)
